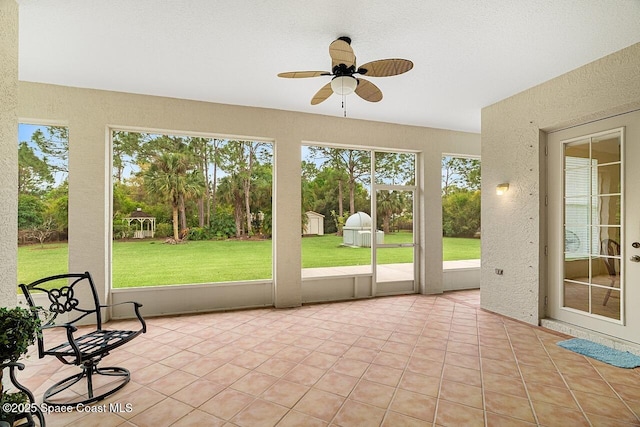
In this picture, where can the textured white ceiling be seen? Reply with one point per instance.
(467, 54)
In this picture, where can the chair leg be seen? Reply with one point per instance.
(89, 370)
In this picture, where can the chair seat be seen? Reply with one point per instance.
(94, 343)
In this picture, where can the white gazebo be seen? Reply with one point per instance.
(144, 224)
(357, 231)
(315, 223)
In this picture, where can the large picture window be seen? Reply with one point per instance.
(190, 210)
(43, 198)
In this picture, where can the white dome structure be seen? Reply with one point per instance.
(358, 219)
(357, 231)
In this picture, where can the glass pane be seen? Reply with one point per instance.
(605, 302)
(336, 182)
(43, 193)
(606, 149)
(576, 296)
(605, 271)
(226, 190)
(395, 168)
(394, 264)
(578, 182)
(576, 241)
(575, 151)
(395, 216)
(577, 211)
(607, 180)
(604, 233)
(606, 210)
(577, 269)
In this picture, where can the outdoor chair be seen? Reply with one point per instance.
(73, 302)
(610, 248)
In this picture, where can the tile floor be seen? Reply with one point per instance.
(397, 361)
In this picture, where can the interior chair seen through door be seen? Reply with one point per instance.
(73, 302)
(611, 248)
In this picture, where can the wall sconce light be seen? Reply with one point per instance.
(502, 188)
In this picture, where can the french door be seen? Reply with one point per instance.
(594, 226)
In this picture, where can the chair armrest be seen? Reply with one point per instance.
(70, 339)
(136, 309)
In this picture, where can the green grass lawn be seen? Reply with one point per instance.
(151, 262)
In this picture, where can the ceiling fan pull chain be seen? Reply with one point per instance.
(344, 105)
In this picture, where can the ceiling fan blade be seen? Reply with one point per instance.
(303, 74)
(322, 94)
(341, 53)
(368, 91)
(385, 67)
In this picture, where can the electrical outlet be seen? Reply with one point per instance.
(499, 271)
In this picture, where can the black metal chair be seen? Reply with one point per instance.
(74, 296)
(610, 248)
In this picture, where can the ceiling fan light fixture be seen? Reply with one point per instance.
(344, 85)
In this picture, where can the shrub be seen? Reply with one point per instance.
(461, 213)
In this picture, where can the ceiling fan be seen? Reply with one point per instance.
(343, 71)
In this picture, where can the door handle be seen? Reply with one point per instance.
(635, 258)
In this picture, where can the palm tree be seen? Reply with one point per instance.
(389, 203)
(171, 177)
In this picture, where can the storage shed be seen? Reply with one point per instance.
(357, 231)
(315, 223)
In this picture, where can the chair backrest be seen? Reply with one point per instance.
(73, 294)
(610, 247)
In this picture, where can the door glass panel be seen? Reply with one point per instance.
(574, 150)
(592, 225)
(576, 296)
(605, 302)
(577, 269)
(607, 179)
(395, 216)
(606, 149)
(607, 210)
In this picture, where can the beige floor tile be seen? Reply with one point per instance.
(199, 418)
(320, 404)
(254, 383)
(227, 374)
(227, 404)
(511, 406)
(260, 413)
(394, 419)
(276, 367)
(198, 392)
(373, 393)
(285, 393)
(336, 383)
(414, 405)
(298, 419)
(305, 375)
(463, 394)
(552, 415)
(162, 414)
(357, 414)
(383, 375)
(454, 414)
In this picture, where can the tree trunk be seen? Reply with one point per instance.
(174, 209)
(352, 197)
(385, 223)
(340, 208)
(183, 214)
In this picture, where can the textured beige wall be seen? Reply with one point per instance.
(513, 139)
(89, 113)
(8, 151)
